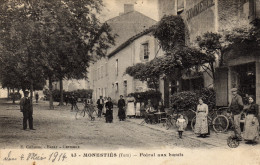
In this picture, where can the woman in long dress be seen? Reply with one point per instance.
(130, 106)
(109, 111)
(251, 132)
(201, 126)
(138, 106)
(121, 108)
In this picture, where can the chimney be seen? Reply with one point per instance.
(128, 8)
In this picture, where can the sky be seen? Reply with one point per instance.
(114, 7)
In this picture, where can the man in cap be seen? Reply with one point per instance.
(26, 108)
(236, 108)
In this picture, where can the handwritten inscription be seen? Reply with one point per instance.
(53, 157)
(9, 157)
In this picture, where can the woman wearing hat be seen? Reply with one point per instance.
(251, 133)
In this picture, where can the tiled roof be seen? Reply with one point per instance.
(130, 40)
(128, 25)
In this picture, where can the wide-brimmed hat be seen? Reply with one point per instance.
(234, 90)
(26, 92)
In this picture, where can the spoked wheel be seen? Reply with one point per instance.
(168, 123)
(147, 120)
(80, 114)
(232, 142)
(193, 122)
(220, 124)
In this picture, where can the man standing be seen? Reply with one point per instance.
(73, 102)
(26, 108)
(36, 97)
(121, 108)
(236, 108)
(100, 105)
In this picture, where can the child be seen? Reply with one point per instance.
(181, 124)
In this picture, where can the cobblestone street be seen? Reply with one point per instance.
(59, 128)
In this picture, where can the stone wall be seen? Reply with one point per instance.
(167, 7)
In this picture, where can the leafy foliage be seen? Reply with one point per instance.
(154, 96)
(172, 64)
(244, 38)
(80, 93)
(170, 32)
(146, 72)
(189, 99)
(51, 39)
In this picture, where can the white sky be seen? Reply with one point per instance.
(114, 7)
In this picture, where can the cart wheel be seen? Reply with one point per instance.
(220, 124)
(232, 142)
(77, 116)
(168, 123)
(193, 122)
(146, 120)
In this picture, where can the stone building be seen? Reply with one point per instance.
(140, 48)
(201, 16)
(106, 74)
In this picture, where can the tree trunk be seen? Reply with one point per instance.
(31, 92)
(213, 71)
(13, 96)
(8, 93)
(61, 92)
(155, 85)
(50, 93)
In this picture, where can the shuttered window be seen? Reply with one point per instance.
(221, 86)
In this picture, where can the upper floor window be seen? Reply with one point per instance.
(106, 68)
(102, 71)
(117, 88)
(117, 67)
(99, 73)
(146, 51)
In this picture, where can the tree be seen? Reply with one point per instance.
(145, 72)
(178, 57)
(245, 37)
(170, 31)
(58, 38)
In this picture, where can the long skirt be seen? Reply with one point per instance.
(251, 128)
(121, 114)
(137, 109)
(109, 116)
(130, 109)
(201, 126)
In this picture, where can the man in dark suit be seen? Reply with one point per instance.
(73, 101)
(26, 108)
(236, 108)
(121, 108)
(100, 105)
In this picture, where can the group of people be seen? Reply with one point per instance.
(109, 108)
(236, 108)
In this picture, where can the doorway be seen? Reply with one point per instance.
(243, 77)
